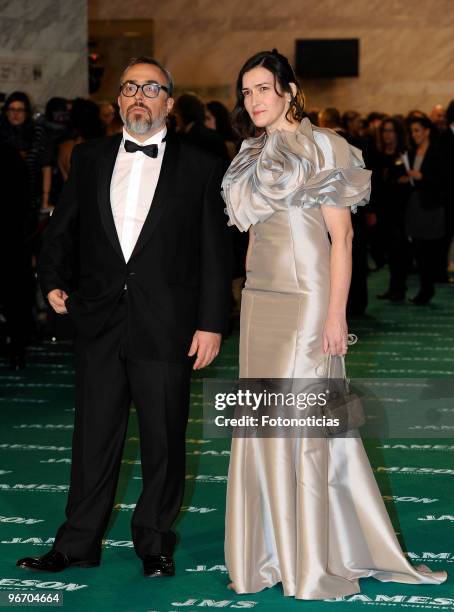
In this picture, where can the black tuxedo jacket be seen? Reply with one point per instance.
(178, 276)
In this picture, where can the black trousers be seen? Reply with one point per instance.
(108, 378)
(399, 256)
(426, 252)
(358, 294)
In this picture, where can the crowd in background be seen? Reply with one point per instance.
(408, 224)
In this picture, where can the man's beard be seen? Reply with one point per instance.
(140, 123)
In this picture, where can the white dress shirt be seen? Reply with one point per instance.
(132, 189)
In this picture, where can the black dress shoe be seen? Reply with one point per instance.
(17, 361)
(53, 561)
(422, 298)
(397, 297)
(384, 296)
(158, 565)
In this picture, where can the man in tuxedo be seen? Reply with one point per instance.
(137, 252)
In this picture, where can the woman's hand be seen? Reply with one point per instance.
(335, 335)
(416, 174)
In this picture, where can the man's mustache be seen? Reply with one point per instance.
(136, 106)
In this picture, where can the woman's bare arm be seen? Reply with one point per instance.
(339, 225)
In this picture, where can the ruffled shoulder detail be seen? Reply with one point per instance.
(309, 167)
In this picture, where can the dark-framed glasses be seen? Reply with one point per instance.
(149, 90)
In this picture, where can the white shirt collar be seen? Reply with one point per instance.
(155, 139)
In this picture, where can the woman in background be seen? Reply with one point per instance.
(19, 130)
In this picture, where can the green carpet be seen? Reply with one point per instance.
(395, 341)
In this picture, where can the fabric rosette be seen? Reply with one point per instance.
(292, 168)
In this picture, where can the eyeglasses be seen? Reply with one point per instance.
(149, 90)
(13, 109)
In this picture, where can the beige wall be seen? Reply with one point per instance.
(407, 46)
(43, 49)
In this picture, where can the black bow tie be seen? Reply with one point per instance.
(151, 150)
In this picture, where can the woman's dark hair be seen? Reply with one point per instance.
(283, 74)
(348, 117)
(221, 115)
(19, 96)
(85, 119)
(399, 128)
(424, 122)
(415, 113)
(375, 115)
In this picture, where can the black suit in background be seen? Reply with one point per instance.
(425, 218)
(16, 288)
(358, 294)
(208, 140)
(446, 145)
(135, 322)
(389, 198)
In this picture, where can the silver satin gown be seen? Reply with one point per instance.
(304, 512)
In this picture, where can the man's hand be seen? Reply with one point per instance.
(371, 219)
(206, 345)
(57, 299)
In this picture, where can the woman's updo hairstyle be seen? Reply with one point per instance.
(283, 74)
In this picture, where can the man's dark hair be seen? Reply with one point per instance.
(348, 117)
(55, 108)
(145, 59)
(85, 119)
(283, 74)
(332, 116)
(450, 113)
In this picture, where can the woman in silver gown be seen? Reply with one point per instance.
(306, 512)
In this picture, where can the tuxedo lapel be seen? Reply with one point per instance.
(107, 164)
(164, 187)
